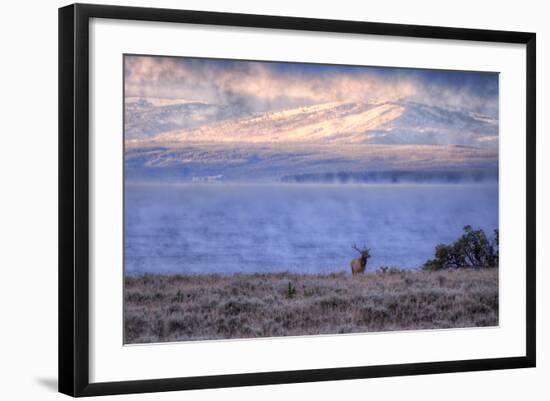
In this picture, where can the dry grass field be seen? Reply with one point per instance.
(161, 308)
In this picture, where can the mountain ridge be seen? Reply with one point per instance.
(320, 139)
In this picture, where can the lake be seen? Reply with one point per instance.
(305, 228)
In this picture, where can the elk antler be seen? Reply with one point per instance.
(357, 249)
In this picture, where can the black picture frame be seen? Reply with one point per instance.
(74, 198)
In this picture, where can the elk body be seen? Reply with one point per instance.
(360, 264)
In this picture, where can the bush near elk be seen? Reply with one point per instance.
(472, 249)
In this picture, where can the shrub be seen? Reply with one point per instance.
(472, 249)
(291, 291)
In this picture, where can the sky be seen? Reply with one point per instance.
(265, 85)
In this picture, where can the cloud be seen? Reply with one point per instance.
(226, 82)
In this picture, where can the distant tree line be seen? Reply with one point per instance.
(472, 249)
(397, 176)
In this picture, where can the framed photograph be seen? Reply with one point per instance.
(250, 199)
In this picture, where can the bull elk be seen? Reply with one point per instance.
(360, 264)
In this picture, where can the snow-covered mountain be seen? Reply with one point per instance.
(316, 139)
(388, 122)
(325, 122)
(146, 117)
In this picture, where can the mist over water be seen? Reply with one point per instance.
(304, 228)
